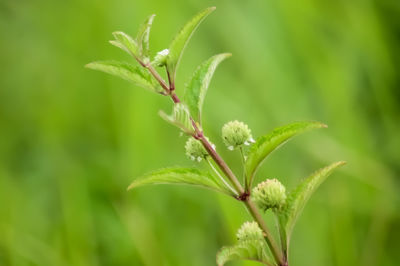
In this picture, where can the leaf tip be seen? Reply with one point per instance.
(150, 19)
(115, 33)
(317, 124)
(335, 165)
(90, 65)
(208, 10)
(324, 125)
(162, 113)
(130, 186)
(340, 163)
(120, 33)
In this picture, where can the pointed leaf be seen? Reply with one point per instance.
(126, 43)
(197, 87)
(179, 118)
(181, 39)
(298, 198)
(142, 38)
(270, 142)
(184, 176)
(134, 74)
(119, 45)
(255, 250)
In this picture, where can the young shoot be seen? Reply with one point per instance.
(255, 241)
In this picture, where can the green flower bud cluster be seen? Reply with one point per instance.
(236, 134)
(270, 194)
(195, 149)
(249, 231)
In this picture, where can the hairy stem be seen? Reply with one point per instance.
(243, 195)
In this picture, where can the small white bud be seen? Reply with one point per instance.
(163, 52)
(161, 58)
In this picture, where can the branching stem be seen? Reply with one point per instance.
(243, 195)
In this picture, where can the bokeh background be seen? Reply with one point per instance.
(72, 139)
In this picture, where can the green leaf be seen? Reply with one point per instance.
(298, 198)
(120, 46)
(142, 38)
(255, 250)
(180, 118)
(134, 74)
(139, 47)
(126, 43)
(270, 142)
(184, 176)
(196, 88)
(181, 39)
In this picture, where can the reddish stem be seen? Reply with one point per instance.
(243, 195)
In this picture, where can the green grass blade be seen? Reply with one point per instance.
(181, 39)
(270, 142)
(197, 87)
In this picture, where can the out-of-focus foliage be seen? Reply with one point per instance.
(71, 139)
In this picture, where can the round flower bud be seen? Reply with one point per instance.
(236, 134)
(249, 231)
(195, 149)
(270, 194)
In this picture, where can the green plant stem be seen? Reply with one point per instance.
(155, 74)
(267, 234)
(282, 236)
(246, 200)
(221, 163)
(246, 188)
(243, 195)
(221, 177)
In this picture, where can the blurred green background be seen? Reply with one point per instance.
(72, 139)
